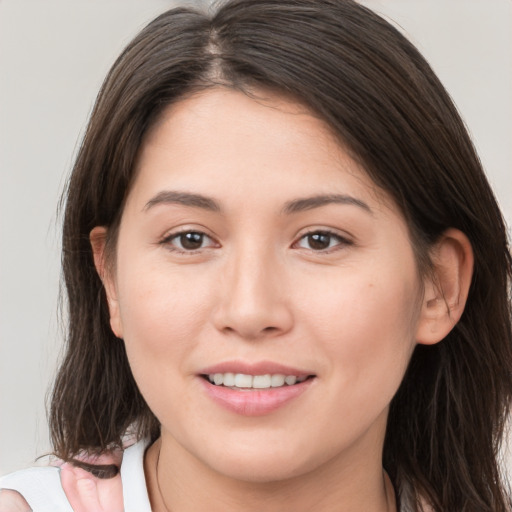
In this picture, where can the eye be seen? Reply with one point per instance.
(187, 241)
(321, 241)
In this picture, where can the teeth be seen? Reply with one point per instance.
(241, 380)
(290, 380)
(261, 381)
(276, 381)
(229, 379)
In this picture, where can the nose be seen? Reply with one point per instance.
(255, 302)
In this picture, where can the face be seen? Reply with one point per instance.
(252, 248)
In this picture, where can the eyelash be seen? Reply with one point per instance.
(176, 236)
(341, 241)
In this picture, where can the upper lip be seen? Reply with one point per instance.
(255, 368)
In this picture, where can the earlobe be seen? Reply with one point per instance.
(446, 287)
(98, 239)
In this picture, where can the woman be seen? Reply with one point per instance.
(287, 278)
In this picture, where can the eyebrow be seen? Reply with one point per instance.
(308, 203)
(185, 199)
(295, 206)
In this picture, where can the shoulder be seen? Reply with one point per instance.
(68, 488)
(37, 488)
(13, 501)
(60, 489)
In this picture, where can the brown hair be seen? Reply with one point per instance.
(374, 89)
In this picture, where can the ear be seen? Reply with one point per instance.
(98, 239)
(446, 287)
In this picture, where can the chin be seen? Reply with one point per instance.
(264, 472)
(264, 464)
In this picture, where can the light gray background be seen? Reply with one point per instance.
(53, 57)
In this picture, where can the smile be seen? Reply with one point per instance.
(255, 389)
(245, 381)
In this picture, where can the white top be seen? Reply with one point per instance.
(42, 489)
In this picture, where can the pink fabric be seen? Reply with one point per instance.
(87, 493)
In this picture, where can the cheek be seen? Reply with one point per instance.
(162, 313)
(162, 319)
(366, 326)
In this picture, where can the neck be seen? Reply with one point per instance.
(179, 482)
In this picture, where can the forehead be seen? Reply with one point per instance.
(253, 141)
(217, 115)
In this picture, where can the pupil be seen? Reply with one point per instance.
(191, 240)
(319, 241)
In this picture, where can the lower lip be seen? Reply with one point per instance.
(254, 402)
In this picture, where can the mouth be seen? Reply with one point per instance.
(255, 389)
(247, 382)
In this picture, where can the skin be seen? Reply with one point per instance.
(258, 289)
(12, 501)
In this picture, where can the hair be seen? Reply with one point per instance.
(375, 91)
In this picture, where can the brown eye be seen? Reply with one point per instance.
(189, 241)
(321, 241)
